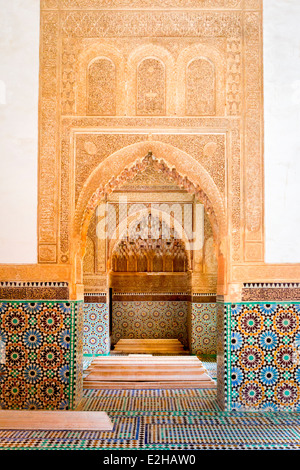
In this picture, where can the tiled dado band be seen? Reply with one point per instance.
(40, 354)
(258, 356)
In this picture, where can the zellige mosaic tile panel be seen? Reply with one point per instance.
(96, 329)
(42, 369)
(263, 366)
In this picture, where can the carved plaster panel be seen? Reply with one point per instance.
(48, 136)
(220, 156)
(151, 87)
(253, 127)
(98, 69)
(200, 88)
(92, 149)
(203, 68)
(101, 87)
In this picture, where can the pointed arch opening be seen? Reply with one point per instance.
(140, 263)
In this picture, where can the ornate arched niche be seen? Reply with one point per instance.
(144, 227)
(151, 88)
(151, 253)
(116, 169)
(200, 96)
(122, 166)
(203, 69)
(151, 241)
(100, 86)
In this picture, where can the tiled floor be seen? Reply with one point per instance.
(166, 419)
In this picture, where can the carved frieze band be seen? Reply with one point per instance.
(17, 290)
(136, 4)
(150, 24)
(269, 292)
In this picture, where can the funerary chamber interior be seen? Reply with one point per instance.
(151, 207)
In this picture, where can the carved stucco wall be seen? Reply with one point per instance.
(73, 35)
(19, 107)
(161, 58)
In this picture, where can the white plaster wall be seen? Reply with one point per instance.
(19, 62)
(282, 130)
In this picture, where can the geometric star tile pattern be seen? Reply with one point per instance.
(263, 360)
(39, 369)
(95, 329)
(152, 319)
(204, 328)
